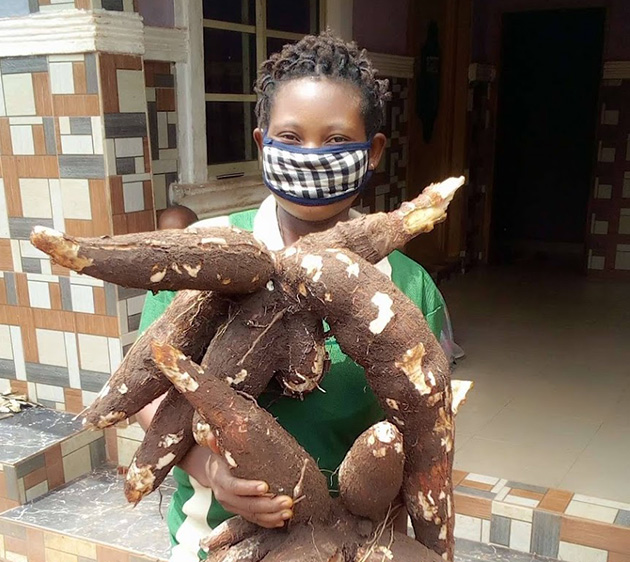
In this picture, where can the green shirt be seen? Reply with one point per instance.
(326, 423)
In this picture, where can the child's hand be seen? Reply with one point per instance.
(248, 498)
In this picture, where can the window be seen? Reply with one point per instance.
(238, 35)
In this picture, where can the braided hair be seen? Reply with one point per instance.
(327, 56)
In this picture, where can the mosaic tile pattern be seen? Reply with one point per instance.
(42, 450)
(127, 146)
(26, 7)
(162, 114)
(608, 240)
(53, 322)
(388, 184)
(542, 521)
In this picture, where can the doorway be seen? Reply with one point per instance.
(550, 73)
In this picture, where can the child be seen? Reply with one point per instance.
(176, 216)
(319, 113)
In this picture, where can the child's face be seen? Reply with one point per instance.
(312, 113)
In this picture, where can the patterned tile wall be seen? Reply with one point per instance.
(160, 89)
(75, 156)
(25, 7)
(608, 240)
(128, 150)
(388, 185)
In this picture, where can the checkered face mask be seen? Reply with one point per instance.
(315, 176)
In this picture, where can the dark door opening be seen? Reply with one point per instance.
(550, 72)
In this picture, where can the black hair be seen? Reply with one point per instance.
(327, 56)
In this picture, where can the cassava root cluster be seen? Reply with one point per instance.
(243, 315)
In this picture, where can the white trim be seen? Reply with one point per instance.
(616, 70)
(396, 66)
(191, 102)
(229, 168)
(220, 197)
(339, 17)
(72, 31)
(165, 44)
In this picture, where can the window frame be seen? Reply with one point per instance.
(261, 33)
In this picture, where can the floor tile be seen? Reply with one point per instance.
(536, 464)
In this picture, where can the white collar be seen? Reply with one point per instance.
(267, 230)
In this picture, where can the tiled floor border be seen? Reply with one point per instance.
(22, 543)
(532, 519)
(543, 521)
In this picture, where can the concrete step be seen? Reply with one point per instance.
(88, 520)
(41, 450)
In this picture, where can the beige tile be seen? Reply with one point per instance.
(19, 94)
(81, 440)
(35, 194)
(70, 545)
(519, 425)
(131, 93)
(52, 347)
(535, 463)
(94, 353)
(126, 450)
(75, 197)
(77, 463)
(467, 527)
(591, 511)
(511, 511)
(601, 478)
(520, 536)
(53, 555)
(578, 553)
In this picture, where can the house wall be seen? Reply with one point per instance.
(87, 146)
(159, 13)
(381, 27)
(608, 222)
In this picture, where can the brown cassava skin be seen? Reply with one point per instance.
(371, 474)
(238, 422)
(251, 549)
(404, 364)
(289, 343)
(228, 533)
(223, 259)
(188, 323)
(396, 547)
(266, 334)
(166, 442)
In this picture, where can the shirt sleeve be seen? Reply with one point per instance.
(154, 307)
(413, 280)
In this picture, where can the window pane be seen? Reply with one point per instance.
(274, 45)
(230, 61)
(229, 128)
(236, 11)
(293, 15)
